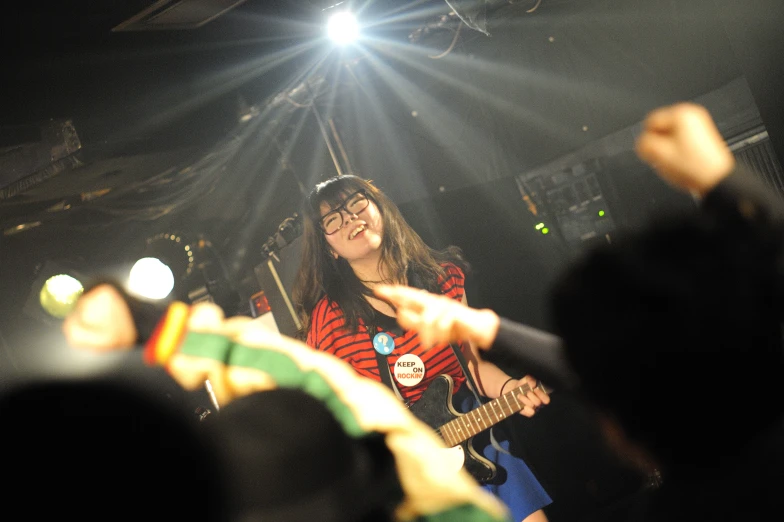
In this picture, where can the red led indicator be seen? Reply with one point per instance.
(260, 304)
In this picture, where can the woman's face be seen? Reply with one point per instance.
(360, 233)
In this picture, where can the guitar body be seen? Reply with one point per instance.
(435, 409)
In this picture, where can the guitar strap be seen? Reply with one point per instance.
(472, 386)
(383, 366)
(386, 376)
(415, 281)
(469, 378)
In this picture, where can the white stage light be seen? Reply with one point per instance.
(151, 278)
(343, 28)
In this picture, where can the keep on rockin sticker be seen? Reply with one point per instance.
(409, 370)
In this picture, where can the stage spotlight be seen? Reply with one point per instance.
(54, 291)
(342, 28)
(59, 294)
(174, 266)
(167, 260)
(151, 278)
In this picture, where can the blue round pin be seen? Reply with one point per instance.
(383, 343)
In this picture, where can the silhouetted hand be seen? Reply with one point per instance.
(438, 318)
(681, 142)
(100, 322)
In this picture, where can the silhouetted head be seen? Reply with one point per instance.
(289, 459)
(675, 332)
(97, 450)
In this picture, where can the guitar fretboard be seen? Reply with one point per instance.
(466, 426)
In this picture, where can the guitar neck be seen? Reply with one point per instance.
(485, 416)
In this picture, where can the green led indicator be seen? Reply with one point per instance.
(545, 230)
(539, 226)
(601, 213)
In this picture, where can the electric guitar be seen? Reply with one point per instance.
(457, 429)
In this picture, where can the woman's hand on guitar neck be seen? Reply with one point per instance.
(438, 318)
(533, 400)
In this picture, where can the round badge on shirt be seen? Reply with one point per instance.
(409, 370)
(383, 343)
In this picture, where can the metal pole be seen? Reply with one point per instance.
(284, 294)
(326, 138)
(336, 136)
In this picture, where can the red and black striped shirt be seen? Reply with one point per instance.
(328, 333)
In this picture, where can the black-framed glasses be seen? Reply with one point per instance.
(334, 220)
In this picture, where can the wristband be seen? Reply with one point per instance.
(168, 334)
(504, 385)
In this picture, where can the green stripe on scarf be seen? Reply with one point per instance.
(462, 513)
(282, 368)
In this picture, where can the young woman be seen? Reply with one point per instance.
(355, 238)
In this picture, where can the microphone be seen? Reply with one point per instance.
(288, 230)
(291, 228)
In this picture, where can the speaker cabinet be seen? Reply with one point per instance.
(276, 278)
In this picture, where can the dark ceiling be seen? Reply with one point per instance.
(551, 76)
(427, 106)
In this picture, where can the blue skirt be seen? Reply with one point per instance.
(519, 489)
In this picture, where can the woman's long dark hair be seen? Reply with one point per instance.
(404, 256)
